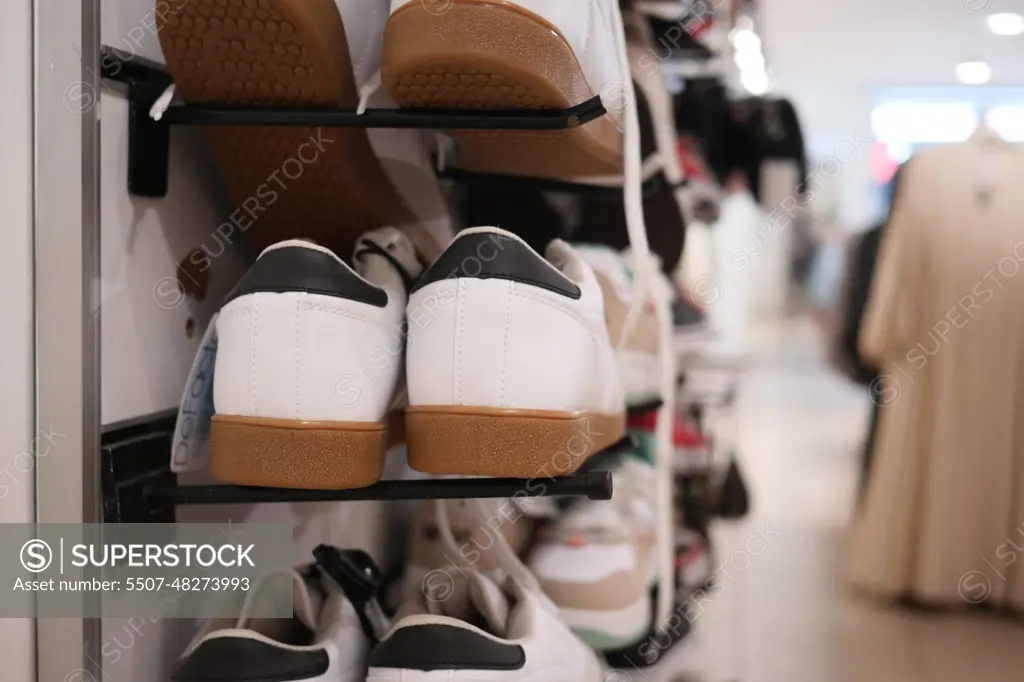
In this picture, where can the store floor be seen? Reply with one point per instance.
(781, 612)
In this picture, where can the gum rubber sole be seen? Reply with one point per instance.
(321, 183)
(280, 453)
(468, 441)
(480, 54)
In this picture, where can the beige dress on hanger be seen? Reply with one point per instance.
(943, 516)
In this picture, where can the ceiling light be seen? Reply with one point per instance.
(974, 72)
(1005, 24)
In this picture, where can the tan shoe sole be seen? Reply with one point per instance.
(485, 54)
(480, 441)
(281, 453)
(325, 184)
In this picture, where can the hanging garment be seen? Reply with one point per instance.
(703, 111)
(770, 129)
(942, 516)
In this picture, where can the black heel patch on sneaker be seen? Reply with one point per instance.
(488, 255)
(296, 268)
(445, 647)
(240, 659)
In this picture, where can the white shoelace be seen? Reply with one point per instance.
(368, 89)
(633, 178)
(163, 103)
(506, 557)
(664, 445)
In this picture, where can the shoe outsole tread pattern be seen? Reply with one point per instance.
(324, 184)
(488, 55)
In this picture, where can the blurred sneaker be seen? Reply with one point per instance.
(693, 563)
(465, 627)
(332, 183)
(511, 369)
(428, 552)
(687, 316)
(599, 561)
(480, 630)
(310, 359)
(692, 451)
(637, 358)
(323, 641)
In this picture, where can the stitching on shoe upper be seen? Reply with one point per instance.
(504, 350)
(320, 308)
(298, 312)
(458, 342)
(238, 312)
(252, 349)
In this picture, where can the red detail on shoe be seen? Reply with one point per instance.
(686, 434)
(700, 27)
(691, 555)
(576, 541)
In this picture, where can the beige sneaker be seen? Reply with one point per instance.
(599, 561)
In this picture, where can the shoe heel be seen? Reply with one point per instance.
(280, 453)
(465, 441)
(473, 54)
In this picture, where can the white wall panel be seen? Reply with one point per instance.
(148, 341)
(131, 25)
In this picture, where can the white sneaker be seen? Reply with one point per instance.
(303, 54)
(510, 367)
(323, 642)
(466, 628)
(310, 355)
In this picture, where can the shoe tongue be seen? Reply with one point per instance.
(307, 601)
(266, 597)
(472, 597)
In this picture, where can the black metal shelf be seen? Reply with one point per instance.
(595, 485)
(149, 140)
(139, 487)
(438, 119)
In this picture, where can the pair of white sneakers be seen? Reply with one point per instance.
(463, 626)
(505, 355)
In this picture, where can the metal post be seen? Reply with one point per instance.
(66, 287)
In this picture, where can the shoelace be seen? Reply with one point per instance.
(365, 247)
(632, 180)
(367, 91)
(664, 447)
(506, 557)
(162, 103)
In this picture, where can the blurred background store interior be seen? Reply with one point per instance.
(873, 83)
